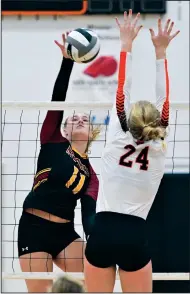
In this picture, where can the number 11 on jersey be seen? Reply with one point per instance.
(141, 159)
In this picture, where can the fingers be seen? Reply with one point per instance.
(159, 26)
(129, 18)
(152, 33)
(58, 44)
(167, 25)
(167, 29)
(170, 28)
(174, 35)
(138, 29)
(136, 19)
(117, 22)
(64, 39)
(125, 17)
(67, 33)
(62, 46)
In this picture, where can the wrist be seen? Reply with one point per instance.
(160, 53)
(126, 47)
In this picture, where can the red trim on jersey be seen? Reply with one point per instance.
(166, 105)
(120, 97)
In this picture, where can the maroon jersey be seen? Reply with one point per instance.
(63, 175)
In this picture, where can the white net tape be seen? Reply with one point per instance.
(21, 123)
(52, 276)
(79, 106)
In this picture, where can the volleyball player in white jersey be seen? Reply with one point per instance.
(132, 167)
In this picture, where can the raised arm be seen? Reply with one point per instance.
(124, 87)
(161, 42)
(118, 118)
(162, 90)
(50, 131)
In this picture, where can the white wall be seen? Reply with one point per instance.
(31, 59)
(30, 62)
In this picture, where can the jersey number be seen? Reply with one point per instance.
(72, 179)
(142, 158)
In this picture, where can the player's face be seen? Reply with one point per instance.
(78, 127)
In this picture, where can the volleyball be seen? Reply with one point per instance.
(82, 45)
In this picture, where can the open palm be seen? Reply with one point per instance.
(128, 29)
(164, 36)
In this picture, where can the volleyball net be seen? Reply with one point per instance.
(21, 125)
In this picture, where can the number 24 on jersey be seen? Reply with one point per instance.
(141, 159)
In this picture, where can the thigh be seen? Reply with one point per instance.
(72, 257)
(139, 281)
(33, 235)
(37, 262)
(95, 278)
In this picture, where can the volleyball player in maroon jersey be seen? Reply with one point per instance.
(46, 233)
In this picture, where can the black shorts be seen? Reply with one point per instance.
(36, 234)
(118, 239)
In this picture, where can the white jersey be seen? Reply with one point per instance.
(130, 173)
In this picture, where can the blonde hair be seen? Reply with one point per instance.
(144, 122)
(95, 133)
(67, 284)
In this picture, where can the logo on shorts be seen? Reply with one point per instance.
(25, 249)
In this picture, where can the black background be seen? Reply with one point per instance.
(94, 6)
(169, 231)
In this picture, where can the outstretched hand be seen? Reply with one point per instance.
(164, 36)
(62, 46)
(128, 29)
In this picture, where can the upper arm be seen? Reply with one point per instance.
(121, 105)
(51, 128)
(162, 90)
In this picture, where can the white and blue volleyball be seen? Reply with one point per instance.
(83, 45)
